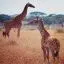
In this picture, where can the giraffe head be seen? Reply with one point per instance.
(39, 20)
(30, 5)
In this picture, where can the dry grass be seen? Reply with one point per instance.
(60, 30)
(26, 49)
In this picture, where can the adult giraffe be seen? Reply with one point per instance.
(48, 43)
(17, 21)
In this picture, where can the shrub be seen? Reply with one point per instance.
(60, 30)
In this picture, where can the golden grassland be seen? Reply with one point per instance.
(27, 48)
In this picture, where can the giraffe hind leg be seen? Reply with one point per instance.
(4, 34)
(56, 54)
(7, 34)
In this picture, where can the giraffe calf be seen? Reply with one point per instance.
(48, 44)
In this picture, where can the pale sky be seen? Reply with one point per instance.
(47, 6)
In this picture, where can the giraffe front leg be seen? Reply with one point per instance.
(47, 49)
(18, 34)
(44, 49)
(8, 32)
(44, 53)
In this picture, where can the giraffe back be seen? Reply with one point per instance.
(53, 44)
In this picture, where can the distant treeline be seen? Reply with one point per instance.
(4, 17)
(49, 19)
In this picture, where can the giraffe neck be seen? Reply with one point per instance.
(21, 16)
(45, 34)
(42, 30)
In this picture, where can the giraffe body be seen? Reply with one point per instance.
(48, 43)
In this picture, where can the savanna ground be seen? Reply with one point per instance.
(27, 48)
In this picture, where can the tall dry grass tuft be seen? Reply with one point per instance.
(60, 30)
(12, 42)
